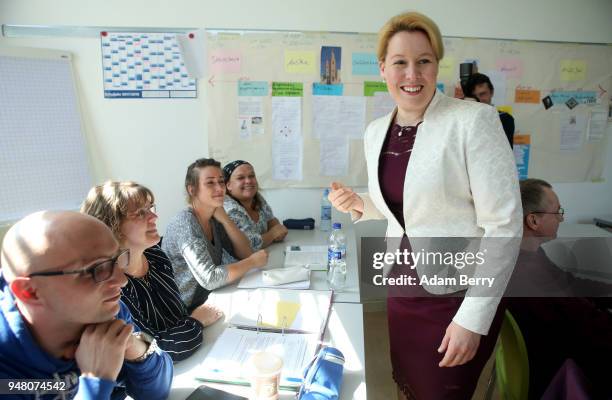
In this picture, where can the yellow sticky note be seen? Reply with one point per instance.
(506, 109)
(573, 70)
(300, 62)
(446, 69)
(283, 317)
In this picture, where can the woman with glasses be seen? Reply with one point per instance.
(247, 207)
(438, 167)
(151, 293)
(206, 247)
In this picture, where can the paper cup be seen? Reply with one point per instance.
(264, 375)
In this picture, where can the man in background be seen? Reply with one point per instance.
(479, 86)
(60, 314)
(556, 320)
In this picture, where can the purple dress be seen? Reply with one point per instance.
(417, 319)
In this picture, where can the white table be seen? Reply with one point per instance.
(585, 250)
(344, 331)
(350, 294)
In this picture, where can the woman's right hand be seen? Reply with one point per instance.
(344, 199)
(258, 259)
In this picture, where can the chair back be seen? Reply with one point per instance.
(511, 361)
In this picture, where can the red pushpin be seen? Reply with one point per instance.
(191, 36)
(104, 33)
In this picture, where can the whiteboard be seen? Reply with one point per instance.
(538, 68)
(43, 158)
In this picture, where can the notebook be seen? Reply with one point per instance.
(289, 323)
(281, 309)
(226, 361)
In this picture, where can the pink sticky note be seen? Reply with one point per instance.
(511, 66)
(225, 61)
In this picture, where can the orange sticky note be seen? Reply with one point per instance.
(527, 96)
(523, 138)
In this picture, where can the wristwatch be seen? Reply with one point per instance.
(150, 340)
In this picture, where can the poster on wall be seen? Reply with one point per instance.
(144, 65)
(521, 148)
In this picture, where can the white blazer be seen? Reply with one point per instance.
(461, 181)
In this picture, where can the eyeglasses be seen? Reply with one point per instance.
(99, 272)
(143, 213)
(561, 212)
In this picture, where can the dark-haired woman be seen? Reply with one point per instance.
(247, 207)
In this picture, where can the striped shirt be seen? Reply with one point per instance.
(157, 308)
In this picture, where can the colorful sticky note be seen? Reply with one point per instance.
(506, 109)
(225, 61)
(582, 97)
(512, 67)
(252, 88)
(321, 89)
(447, 68)
(300, 62)
(365, 64)
(371, 87)
(572, 70)
(288, 89)
(527, 96)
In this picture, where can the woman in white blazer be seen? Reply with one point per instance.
(456, 177)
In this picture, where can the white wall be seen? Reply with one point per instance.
(153, 141)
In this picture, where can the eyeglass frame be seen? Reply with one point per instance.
(151, 209)
(89, 270)
(561, 212)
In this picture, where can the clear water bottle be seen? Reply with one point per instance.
(336, 242)
(326, 211)
(337, 273)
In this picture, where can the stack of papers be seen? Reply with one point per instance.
(312, 257)
(227, 359)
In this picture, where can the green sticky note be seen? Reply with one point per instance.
(288, 89)
(371, 87)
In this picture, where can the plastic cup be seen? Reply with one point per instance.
(264, 376)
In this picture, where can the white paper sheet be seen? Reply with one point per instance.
(250, 116)
(572, 131)
(334, 154)
(343, 115)
(287, 143)
(498, 79)
(382, 104)
(194, 50)
(598, 123)
(312, 257)
(227, 360)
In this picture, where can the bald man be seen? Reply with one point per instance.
(61, 318)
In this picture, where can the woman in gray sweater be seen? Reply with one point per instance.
(206, 248)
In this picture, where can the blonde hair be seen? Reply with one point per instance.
(110, 201)
(410, 22)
